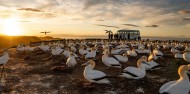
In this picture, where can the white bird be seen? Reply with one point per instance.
(132, 53)
(142, 51)
(91, 54)
(73, 49)
(173, 50)
(186, 56)
(181, 86)
(94, 76)
(44, 47)
(4, 58)
(157, 52)
(20, 48)
(56, 50)
(151, 65)
(178, 55)
(82, 51)
(71, 61)
(152, 57)
(115, 51)
(88, 48)
(165, 46)
(110, 61)
(158, 46)
(141, 46)
(105, 51)
(29, 48)
(122, 58)
(187, 48)
(135, 72)
(66, 52)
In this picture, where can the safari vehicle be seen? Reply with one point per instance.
(129, 34)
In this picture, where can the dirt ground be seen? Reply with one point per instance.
(31, 73)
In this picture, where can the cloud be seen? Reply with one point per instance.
(140, 12)
(131, 25)
(24, 21)
(106, 25)
(187, 25)
(99, 20)
(186, 19)
(77, 18)
(182, 36)
(39, 15)
(30, 9)
(184, 12)
(90, 3)
(119, 10)
(154, 25)
(168, 18)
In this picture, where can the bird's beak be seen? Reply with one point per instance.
(145, 63)
(85, 64)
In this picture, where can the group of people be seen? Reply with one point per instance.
(117, 36)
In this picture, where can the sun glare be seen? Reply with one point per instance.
(11, 27)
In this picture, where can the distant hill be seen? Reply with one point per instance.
(10, 41)
(48, 38)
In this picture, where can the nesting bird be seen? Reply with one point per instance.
(157, 52)
(186, 56)
(135, 72)
(56, 50)
(173, 50)
(91, 54)
(4, 58)
(151, 65)
(180, 86)
(82, 51)
(122, 58)
(132, 53)
(94, 76)
(178, 55)
(71, 61)
(110, 61)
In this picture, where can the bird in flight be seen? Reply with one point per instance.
(45, 32)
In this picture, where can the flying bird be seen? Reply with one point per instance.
(45, 32)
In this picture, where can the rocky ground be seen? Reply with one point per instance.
(32, 73)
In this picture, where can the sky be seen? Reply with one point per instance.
(167, 18)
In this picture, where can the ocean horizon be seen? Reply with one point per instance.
(143, 38)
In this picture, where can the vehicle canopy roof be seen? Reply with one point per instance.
(124, 30)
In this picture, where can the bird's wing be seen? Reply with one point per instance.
(118, 56)
(165, 86)
(95, 74)
(113, 61)
(133, 70)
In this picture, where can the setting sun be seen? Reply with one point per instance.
(11, 27)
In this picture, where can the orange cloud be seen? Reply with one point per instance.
(30, 9)
(152, 25)
(184, 11)
(131, 25)
(106, 25)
